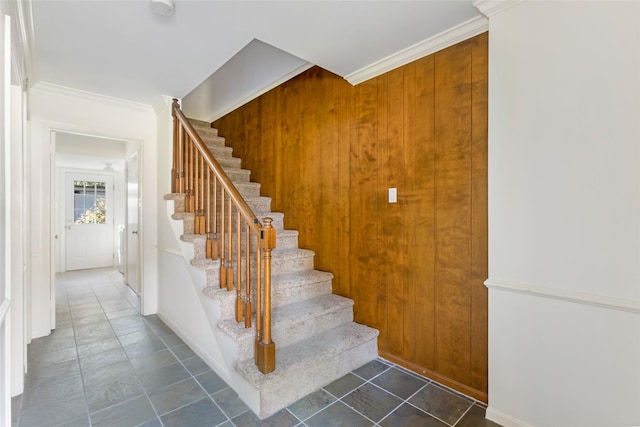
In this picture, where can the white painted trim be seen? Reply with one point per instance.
(54, 89)
(4, 309)
(27, 34)
(504, 419)
(254, 95)
(447, 38)
(492, 7)
(612, 303)
(170, 251)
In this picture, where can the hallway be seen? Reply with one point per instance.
(106, 365)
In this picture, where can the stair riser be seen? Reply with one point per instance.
(202, 126)
(282, 295)
(291, 333)
(288, 265)
(222, 152)
(213, 141)
(283, 394)
(238, 175)
(247, 189)
(262, 204)
(229, 162)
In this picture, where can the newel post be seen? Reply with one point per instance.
(174, 164)
(266, 349)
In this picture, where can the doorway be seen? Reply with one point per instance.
(92, 199)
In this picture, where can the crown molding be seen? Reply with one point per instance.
(447, 38)
(612, 303)
(54, 89)
(492, 7)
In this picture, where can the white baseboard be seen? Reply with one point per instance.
(503, 419)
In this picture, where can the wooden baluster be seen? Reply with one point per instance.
(223, 262)
(229, 244)
(174, 162)
(247, 279)
(187, 150)
(216, 241)
(192, 176)
(239, 305)
(203, 228)
(189, 175)
(209, 243)
(181, 160)
(258, 300)
(266, 347)
(196, 193)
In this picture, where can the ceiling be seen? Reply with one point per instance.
(122, 49)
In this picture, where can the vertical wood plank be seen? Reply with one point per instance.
(422, 252)
(382, 279)
(479, 207)
(342, 221)
(453, 211)
(364, 170)
(410, 135)
(393, 177)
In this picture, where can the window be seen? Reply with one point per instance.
(89, 202)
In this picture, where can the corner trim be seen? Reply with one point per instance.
(612, 303)
(54, 89)
(504, 419)
(4, 309)
(440, 41)
(226, 110)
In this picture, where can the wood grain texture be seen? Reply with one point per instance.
(327, 152)
(453, 211)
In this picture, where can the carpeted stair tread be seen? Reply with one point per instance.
(291, 314)
(313, 351)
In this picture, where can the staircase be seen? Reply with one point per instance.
(316, 339)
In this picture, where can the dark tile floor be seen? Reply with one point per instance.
(106, 365)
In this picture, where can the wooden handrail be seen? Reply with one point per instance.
(211, 196)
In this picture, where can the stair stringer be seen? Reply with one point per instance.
(224, 359)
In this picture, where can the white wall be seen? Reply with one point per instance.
(564, 214)
(255, 69)
(60, 109)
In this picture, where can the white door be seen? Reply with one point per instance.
(132, 270)
(88, 221)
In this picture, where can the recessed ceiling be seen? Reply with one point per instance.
(123, 49)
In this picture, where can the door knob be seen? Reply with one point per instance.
(68, 227)
(134, 232)
(56, 237)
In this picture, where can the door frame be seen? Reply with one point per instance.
(138, 246)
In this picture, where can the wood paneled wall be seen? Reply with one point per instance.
(327, 152)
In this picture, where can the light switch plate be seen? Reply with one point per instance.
(393, 195)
